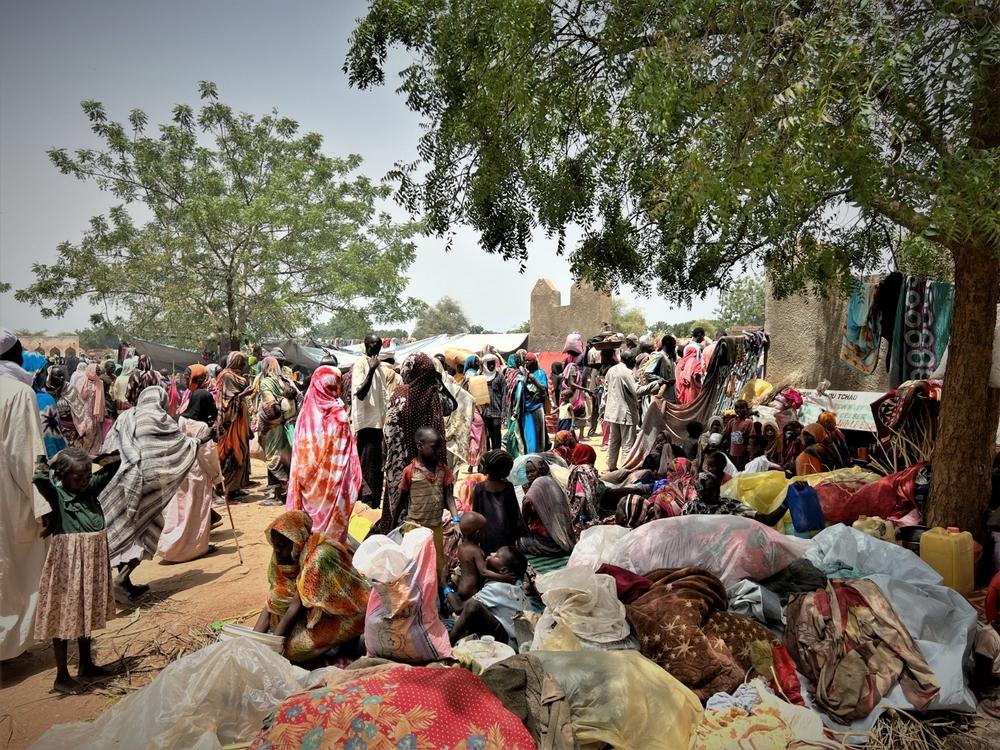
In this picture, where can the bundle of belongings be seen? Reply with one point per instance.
(688, 632)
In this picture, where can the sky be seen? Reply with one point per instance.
(150, 55)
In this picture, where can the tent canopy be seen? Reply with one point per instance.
(165, 357)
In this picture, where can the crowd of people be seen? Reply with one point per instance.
(114, 462)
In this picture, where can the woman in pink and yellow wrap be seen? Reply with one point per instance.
(325, 476)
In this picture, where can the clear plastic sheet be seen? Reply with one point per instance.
(216, 696)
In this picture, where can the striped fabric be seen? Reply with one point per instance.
(156, 456)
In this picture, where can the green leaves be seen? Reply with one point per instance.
(252, 230)
(694, 138)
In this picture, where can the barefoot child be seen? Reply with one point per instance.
(426, 489)
(474, 571)
(74, 596)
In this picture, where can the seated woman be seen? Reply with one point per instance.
(816, 455)
(563, 445)
(317, 600)
(837, 440)
(546, 513)
(709, 501)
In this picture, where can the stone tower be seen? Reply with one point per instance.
(551, 320)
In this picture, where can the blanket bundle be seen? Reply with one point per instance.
(849, 642)
(682, 624)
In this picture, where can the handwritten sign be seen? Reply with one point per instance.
(853, 408)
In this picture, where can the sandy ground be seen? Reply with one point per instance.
(172, 620)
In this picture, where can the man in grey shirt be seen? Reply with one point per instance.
(621, 409)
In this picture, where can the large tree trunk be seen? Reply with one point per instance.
(963, 453)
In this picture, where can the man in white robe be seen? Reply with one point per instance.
(22, 550)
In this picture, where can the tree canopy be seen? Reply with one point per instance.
(626, 318)
(446, 316)
(692, 140)
(742, 303)
(253, 231)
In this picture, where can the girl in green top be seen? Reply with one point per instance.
(74, 595)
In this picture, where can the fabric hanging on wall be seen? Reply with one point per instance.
(862, 330)
(922, 329)
(886, 303)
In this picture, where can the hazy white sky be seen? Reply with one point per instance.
(151, 54)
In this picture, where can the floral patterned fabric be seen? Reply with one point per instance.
(396, 708)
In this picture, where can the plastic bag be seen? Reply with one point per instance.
(623, 699)
(595, 546)
(731, 547)
(213, 697)
(841, 547)
(585, 602)
(803, 504)
(761, 491)
(402, 621)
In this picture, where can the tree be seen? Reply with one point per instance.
(525, 327)
(692, 140)
(626, 318)
(742, 303)
(444, 317)
(102, 334)
(344, 324)
(254, 231)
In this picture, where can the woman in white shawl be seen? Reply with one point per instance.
(458, 424)
(75, 376)
(156, 456)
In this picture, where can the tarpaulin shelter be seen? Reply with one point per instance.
(309, 357)
(504, 343)
(165, 357)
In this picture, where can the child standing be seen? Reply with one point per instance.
(738, 431)
(566, 417)
(74, 596)
(426, 489)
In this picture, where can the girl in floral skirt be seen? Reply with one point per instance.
(74, 596)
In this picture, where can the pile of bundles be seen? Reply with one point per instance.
(688, 632)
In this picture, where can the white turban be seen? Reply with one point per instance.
(7, 340)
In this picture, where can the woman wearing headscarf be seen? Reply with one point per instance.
(773, 448)
(86, 402)
(421, 401)
(187, 519)
(563, 444)
(155, 458)
(232, 387)
(546, 514)
(142, 378)
(526, 433)
(198, 402)
(119, 391)
(316, 599)
(791, 445)
(276, 407)
(688, 373)
(584, 488)
(48, 410)
(816, 456)
(77, 374)
(325, 477)
(837, 441)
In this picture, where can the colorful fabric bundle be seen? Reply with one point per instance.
(849, 642)
(396, 707)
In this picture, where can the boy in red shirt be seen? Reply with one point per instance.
(427, 488)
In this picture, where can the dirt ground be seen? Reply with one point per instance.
(172, 620)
